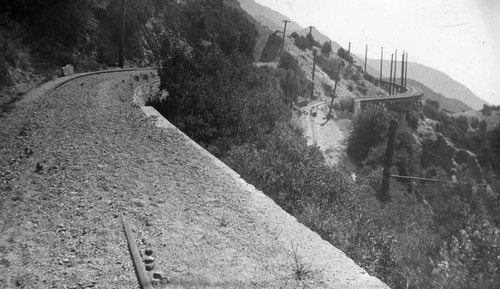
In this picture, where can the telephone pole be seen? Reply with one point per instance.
(349, 49)
(389, 153)
(311, 29)
(406, 69)
(381, 61)
(314, 69)
(284, 34)
(390, 75)
(395, 90)
(366, 55)
(121, 47)
(403, 69)
(337, 79)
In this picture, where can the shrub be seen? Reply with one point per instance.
(326, 48)
(347, 104)
(302, 43)
(217, 100)
(362, 89)
(369, 129)
(342, 53)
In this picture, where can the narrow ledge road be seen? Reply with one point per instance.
(76, 159)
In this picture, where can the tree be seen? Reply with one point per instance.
(368, 130)
(326, 48)
(342, 53)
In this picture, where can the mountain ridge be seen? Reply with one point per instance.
(434, 79)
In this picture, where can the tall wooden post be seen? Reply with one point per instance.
(366, 55)
(390, 75)
(337, 79)
(381, 61)
(406, 69)
(284, 33)
(389, 153)
(403, 69)
(349, 49)
(311, 30)
(121, 48)
(313, 71)
(395, 72)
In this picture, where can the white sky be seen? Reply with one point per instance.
(459, 37)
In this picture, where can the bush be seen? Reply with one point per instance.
(342, 53)
(369, 129)
(326, 48)
(347, 104)
(302, 43)
(362, 89)
(216, 100)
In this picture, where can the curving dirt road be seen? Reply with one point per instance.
(75, 159)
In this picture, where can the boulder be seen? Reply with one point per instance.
(67, 70)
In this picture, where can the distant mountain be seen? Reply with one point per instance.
(268, 17)
(274, 21)
(449, 104)
(432, 78)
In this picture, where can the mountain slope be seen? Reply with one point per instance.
(434, 79)
(274, 21)
(267, 16)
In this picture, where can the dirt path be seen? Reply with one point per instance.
(74, 160)
(330, 137)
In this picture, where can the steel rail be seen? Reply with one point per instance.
(140, 271)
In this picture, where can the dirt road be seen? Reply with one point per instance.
(330, 137)
(74, 160)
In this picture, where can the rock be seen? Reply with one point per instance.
(159, 275)
(149, 252)
(149, 259)
(67, 70)
(150, 267)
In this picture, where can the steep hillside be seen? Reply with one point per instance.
(267, 16)
(274, 21)
(435, 80)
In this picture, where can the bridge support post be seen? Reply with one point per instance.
(390, 75)
(389, 153)
(381, 61)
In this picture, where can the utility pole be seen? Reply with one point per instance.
(284, 33)
(333, 94)
(349, 50)
(366, 55)
(314, 69)
(381, 61)
(311, 29)
(121, 48)
(220, 22)
(406, 69)
(389, 152)
(395, 90)
(403, 69)
(390, 75)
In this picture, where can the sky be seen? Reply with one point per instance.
(458, 37)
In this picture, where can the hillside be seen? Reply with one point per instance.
(274, 21)
(267, 16)
(449, 104)
(433, 79)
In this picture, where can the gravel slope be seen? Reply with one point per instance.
(74, 160)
